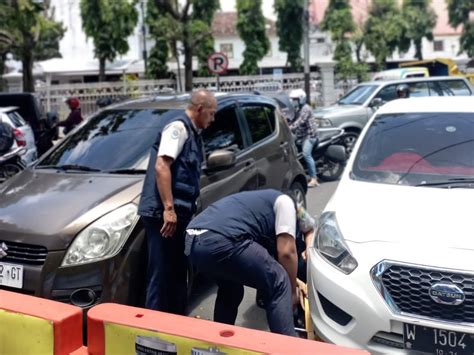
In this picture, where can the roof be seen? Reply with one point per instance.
(8, 109)
(360, 9)
(224, 24)
(180, 102)
(429, 104)
(412, 80)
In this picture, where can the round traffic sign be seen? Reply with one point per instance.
(217, 63)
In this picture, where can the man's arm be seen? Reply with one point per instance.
(163, 182)
(288, 258)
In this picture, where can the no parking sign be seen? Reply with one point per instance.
(217, 63)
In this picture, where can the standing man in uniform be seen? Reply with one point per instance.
(168, 201)
(232, 241)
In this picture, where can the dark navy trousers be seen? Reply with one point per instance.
(167, 268)
(235, 262)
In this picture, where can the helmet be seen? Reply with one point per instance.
(403, 91)
(298, 95)
(73, 102)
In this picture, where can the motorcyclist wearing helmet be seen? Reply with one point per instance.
(305, 127)
(403, 91)
(74, 118)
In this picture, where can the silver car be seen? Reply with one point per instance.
(353, 110)
(23, 133)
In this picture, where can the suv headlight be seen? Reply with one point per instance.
(330, 244)
(323, 123)
(102, 239)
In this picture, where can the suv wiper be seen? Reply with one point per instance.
(67, 167)
(125, 171)
(454, 182)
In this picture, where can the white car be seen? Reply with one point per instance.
(392, 266)
(23, 133)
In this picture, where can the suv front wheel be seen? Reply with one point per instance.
(298, 193)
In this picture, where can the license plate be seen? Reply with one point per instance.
(11, 275)
(437, 341)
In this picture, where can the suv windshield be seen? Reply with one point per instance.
(417, 149)
(111, 140)
(358, 95)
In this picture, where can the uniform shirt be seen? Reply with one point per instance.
(285, 221)
(172, 140)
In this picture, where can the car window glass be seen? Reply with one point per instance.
(388, 93)
(259, 122)
(224, 132)
(419, 89)
(358, 95)
(113, 139)
(409, 148)
(454, 87)
(435, 89)
(16, 119)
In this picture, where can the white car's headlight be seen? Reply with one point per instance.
(102, 239)
(330, 244)
(323, 122)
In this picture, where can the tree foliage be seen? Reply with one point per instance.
(179, 25)
(159, 25)
(289, 13)
(459, 11)
(339, 22)
(419, 20)
(383, 30)
(30, 33)
(108, 23)
(204, 10)
(251, 28)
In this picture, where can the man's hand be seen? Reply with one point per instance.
(169, 223)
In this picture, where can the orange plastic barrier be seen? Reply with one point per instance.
(117, 329)
(32, 325)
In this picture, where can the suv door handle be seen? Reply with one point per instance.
(249, 165)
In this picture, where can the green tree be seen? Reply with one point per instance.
(251, 28)
(30, 33)
(383, 30)
(108, 23)
(420, 20)
(158, 23)
(183, 27)
(339, 22)
(290, 37)
(204, 10)
(459, 11)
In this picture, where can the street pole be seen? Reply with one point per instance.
(306, 50)
(145, 55)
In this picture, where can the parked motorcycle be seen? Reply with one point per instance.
(329, 156)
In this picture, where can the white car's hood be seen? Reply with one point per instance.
(402, 214)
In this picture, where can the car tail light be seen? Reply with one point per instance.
(19, 137)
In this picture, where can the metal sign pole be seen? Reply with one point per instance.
(218, 83)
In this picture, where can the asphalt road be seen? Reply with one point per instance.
(250, 315)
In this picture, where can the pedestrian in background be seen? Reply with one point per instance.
(75, 116)
(233, 241)
(305, 127)
(168, 201)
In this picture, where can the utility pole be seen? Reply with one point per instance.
(306, 49)
(145, 55)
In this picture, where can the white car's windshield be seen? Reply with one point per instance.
(425, 149)
(358, 95)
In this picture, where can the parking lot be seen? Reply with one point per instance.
(250, 315)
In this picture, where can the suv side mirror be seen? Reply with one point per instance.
(220, 159)
(376, 103)
(336, 153)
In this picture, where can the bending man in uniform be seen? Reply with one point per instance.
(232, 241)
(168, 200)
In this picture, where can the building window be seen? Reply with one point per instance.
(227, 49)
(438, 46)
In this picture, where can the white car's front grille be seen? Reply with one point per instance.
(427, 292)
